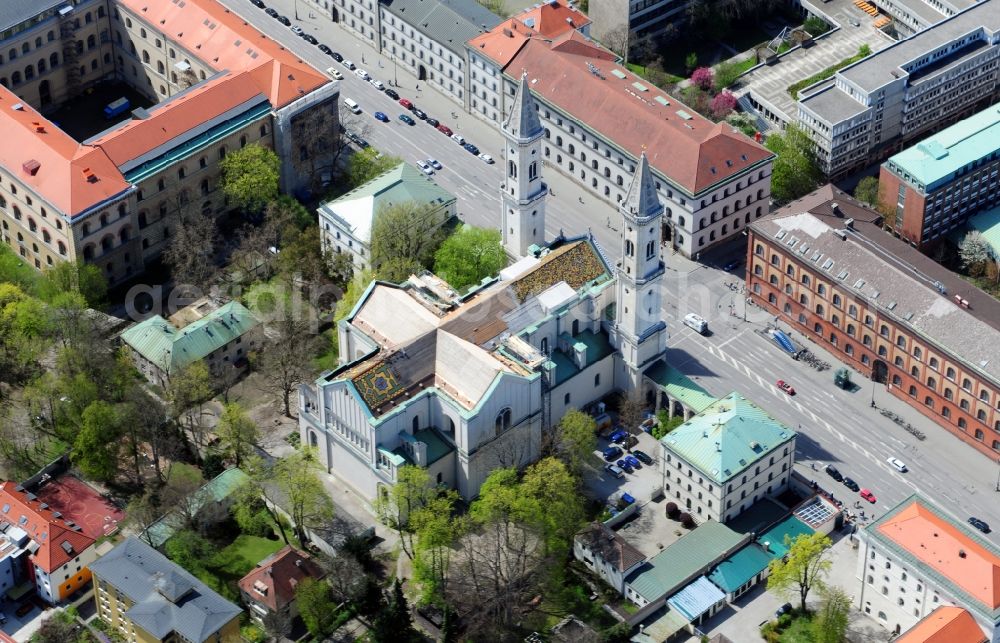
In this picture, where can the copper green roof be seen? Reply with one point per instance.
(215, 490)
(679, 386)
(727, 437)
(172, 349)
(596, 346)
(738, 569)
(692, 554)
(774, 537)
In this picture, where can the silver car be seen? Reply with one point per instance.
(897, 464)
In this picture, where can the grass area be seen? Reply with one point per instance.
(327, 359)
(225, 568)
(794, 88)
(657, 77)
(18, 271)
(795, 627)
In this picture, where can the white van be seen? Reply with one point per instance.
(352, 105)
(697, 322)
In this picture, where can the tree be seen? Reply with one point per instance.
(59, 627)
(726, 73)
(187, 391)
(867, 190)
(237, 432)
(367, 164)
(498, 7)
(305, 498)
(190, 251)
(355, 289)
(723, 104)
(189, 549)
(436, 533)
(468, 256)
(405, 237)
(976, 253)
(803, 568)
(617, 40)
(575, 439)
(141, 512)
(830, 623)
(250, 177)
(703, 77)
(286, 363)
(395, 623)
(316, 607)
(691, 61)
(412, 492)
(795, 171)
(631, 411)
(554, 491)
(179, 493)
(77, 277)
(97, 447)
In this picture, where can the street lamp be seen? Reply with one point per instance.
(296, 9)
(998, 474)
(873, 390)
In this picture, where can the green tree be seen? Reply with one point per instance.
(803, 568)
(976, 253)
(367, 164)
(187, 391)
(436, 531)
(412, 492)
(795, 171)
(237, 432)
(831, 621)
(554, 495)
(575, 439)
(867, 190)
(190, 550)
(304, 497)
(316, 607)
(469, 255)
(355, 288)
(60, 627)
(405, 237)
(250, 177)
(97, 448)
(395, 623)
(690, 62)
(77, 277)
(726, 74)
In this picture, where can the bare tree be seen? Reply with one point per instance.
(190, 253)
(288, 362)
(631, 411)
(617, 40)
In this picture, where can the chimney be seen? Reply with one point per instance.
(961, 553)
(835, 208)
(298, 562)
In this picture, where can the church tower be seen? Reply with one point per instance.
(522, 194)
(640, 331)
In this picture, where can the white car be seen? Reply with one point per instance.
(897, 464)
(297, 30)
(349, 64)
(362, 74)
(377, 84)
(335, 73)
(486, 158)
(425, 168)
(458, 138)
(434, 163)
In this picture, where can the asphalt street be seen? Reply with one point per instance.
(834, 426)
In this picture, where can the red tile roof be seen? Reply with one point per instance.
(502, 43)
(180, 115)
(223, 40)
(946, 624)
(553, 18)
(937, 543)
(70, 176)
(279, 575)
(47, 531)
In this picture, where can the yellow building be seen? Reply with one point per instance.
(145, 597)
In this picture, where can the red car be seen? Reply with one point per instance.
(868, 495)
(405, 102)
(786, 387)
(444, 129)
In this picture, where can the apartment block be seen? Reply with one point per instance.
(937, 184)
(640, 18)
(885, 102)
(824, 266)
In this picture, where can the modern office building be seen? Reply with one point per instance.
(824, 266)
(726, 458)
(113, 199)
(916, 559)
(934, 186)
(636, 19)
(889, 100)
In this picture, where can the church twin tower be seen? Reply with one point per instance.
(639, 332)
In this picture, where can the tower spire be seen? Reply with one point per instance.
(522, 195)
(522, 121)
(641, 201)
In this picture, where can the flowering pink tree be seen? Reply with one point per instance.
(703, 77)
(723, 104)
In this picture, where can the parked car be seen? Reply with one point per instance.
(619, 436)
(258, 3)
(786, 387)
(444, 129)
(335, 73)
(433, 122)
(897, 464)
(419, 113)
(391, 93)
(434, 163)
(643, 457)
(458, 138)
(732, 265)
(868, 495)
(614, 470)
(784, 609)
(337, 57)
(350, 65)
(272, 12)
(377, 84)
(425, 167)
(612, 453)
(382, 117)
(833, 473)
(405, 102)
(285, 21)
(486, 158)
(362, 74)
(407, 119)
(311, 39)
(24, 608)
(981, 525)
(624, 466)
(472, 149)
(632, 461)
(325, 49)
(297, 30)
(852, 485)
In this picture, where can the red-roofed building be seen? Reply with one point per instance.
(915, 559)
(599, 117)
(112, 200)
(42, 547)
(270, 586)
(946, 624)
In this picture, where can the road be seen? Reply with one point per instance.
(834, 426)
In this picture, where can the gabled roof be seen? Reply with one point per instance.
(451, 23)
(553, 18)
(946, 624)
(166, 598)
(967, 565)
(58, 543)
(274, 580)
(609, 546)
(216, 490)
(172, 349)
(14, 12)
(70, 176)
(727, 437)
(522, 122)
(502, 43)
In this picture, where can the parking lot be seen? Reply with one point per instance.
(21, 628)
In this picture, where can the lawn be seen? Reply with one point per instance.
(799, 631)
(223, 570)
